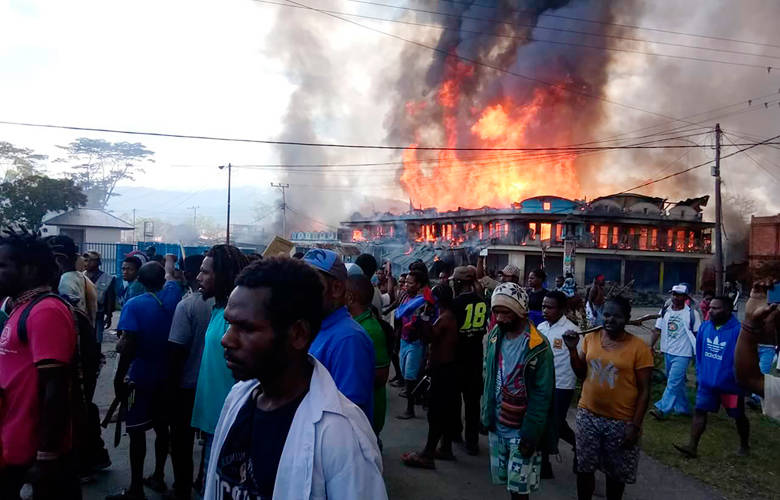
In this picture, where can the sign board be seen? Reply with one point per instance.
(278, 246)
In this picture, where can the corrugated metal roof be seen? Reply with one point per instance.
(88, 217)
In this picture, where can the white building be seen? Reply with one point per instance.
(87, 225)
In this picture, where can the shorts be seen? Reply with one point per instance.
(145, 408)
(599, 442)
(710, 399)
(521, 475)
(410, 358)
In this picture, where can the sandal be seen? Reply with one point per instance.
(687, 452)
(414, 460)
(657, 414)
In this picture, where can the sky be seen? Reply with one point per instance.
(225, 68)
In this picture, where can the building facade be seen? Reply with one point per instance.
(764, 240)
(87, 225)
(628, 238)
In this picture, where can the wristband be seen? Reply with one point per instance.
(47, 456)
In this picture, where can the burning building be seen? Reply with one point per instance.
(625, 237)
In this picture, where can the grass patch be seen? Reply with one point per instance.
(756, 476)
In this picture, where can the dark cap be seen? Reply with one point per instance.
(464, 273)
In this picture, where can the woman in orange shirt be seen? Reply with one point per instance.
(616, 368)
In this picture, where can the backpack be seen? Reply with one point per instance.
(83, 370)
(691, 320)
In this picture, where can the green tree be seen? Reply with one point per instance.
(19, 162)
(98, 166)
(26, 200)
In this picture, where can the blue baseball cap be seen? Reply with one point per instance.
(326, 261)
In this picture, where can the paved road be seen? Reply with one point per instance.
(468, 478)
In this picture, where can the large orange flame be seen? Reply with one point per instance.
(473, 180)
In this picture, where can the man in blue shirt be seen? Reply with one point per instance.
(715, 346)
(142, 371)
(342, 345)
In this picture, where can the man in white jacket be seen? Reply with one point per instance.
(285, 431)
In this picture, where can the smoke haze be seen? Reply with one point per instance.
(496, 33)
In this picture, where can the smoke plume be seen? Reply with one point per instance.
(591, 93)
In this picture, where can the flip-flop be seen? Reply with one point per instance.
(685, 451)
(412, 459)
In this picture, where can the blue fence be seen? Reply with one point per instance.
(112, 254)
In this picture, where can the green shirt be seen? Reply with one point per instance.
(377, 334)
(214, 378)
(381, 359)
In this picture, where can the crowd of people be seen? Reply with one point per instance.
(281, 366)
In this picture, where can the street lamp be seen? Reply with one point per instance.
(227, 232)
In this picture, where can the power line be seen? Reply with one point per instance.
(333, 145)
(630, 26)
(680, 172)
(759, 165)
(547, 28)
(312, 218)
(487, 65)
(542, 40)
(686, 119)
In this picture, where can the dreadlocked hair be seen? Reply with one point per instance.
(29, 249)
(228, 263)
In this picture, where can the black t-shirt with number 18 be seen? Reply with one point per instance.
(472, 314)
(250, 456)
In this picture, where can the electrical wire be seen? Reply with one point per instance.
(311, 218)
(629, 26)
(553, 42)
(547, 28)
(759, 165)
(680, 172)
(331, 145)
(487, 65)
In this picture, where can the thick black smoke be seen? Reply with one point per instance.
(510, 36)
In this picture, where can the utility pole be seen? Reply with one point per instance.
(133, 226)
(284, 206)
(194, 215)
(227, 232)
(719, 267)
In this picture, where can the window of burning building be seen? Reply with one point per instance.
(546, 231)
(679, 244)
(603, 236)
(643, 234)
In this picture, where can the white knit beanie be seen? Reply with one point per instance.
(511, 296)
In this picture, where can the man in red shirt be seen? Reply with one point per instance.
(35, 374)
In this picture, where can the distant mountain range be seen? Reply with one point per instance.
(174, 205)
(247, 204)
